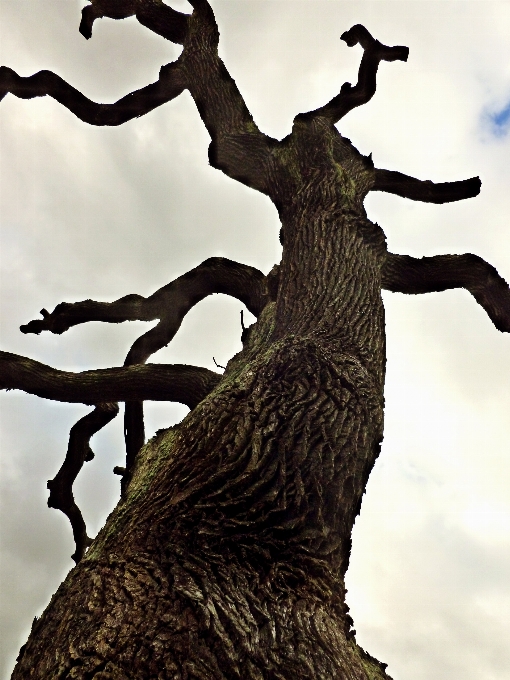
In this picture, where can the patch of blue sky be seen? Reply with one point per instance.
(500, 121)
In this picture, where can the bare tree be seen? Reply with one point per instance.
(226, 555)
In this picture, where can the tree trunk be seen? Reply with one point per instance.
(226, 558)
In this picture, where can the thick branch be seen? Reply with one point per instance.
(158, 382)
(78, 451)
(170, 84)
(405, 274)
(374, 52)
(426, 191)
(163, 20)
(170, 304)
(155, 15)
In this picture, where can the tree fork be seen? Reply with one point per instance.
(78, 452)
(169, 304)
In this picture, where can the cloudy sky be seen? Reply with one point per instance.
(99, 213)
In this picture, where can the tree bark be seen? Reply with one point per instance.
(226, 558)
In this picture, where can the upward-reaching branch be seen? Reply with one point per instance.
(350, 97)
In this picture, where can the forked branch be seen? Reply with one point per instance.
(185, 384)
(169, 304)
(78, 451)
(238, 148)
(405, 274)
(374, 52)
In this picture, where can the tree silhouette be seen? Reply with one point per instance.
(227, 552)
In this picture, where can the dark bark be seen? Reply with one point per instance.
(408, 187)
(156, 382)
(374, 52)
(405, 274)
(226, 556)
(78, 452)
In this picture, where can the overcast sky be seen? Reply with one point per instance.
(99, 213)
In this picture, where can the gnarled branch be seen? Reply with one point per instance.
(170, 304)
(417, 190)
(170, 84)
(157, 382)
(405, 274)
(238, 148)
(350, 97)
(78, 451)
(185, 384)
(155, 15)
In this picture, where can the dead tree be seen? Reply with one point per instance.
(226, 555)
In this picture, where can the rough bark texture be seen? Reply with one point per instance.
(226, 556)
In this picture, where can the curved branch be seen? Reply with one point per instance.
(114, 9)
(155, 15)
(163, 20)
(170, 84)
(215, 275)
(238, 148)
(405, 274)
(78, 451)
(157, 382)
(170, 304)
(425, 190)
(350, 97)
